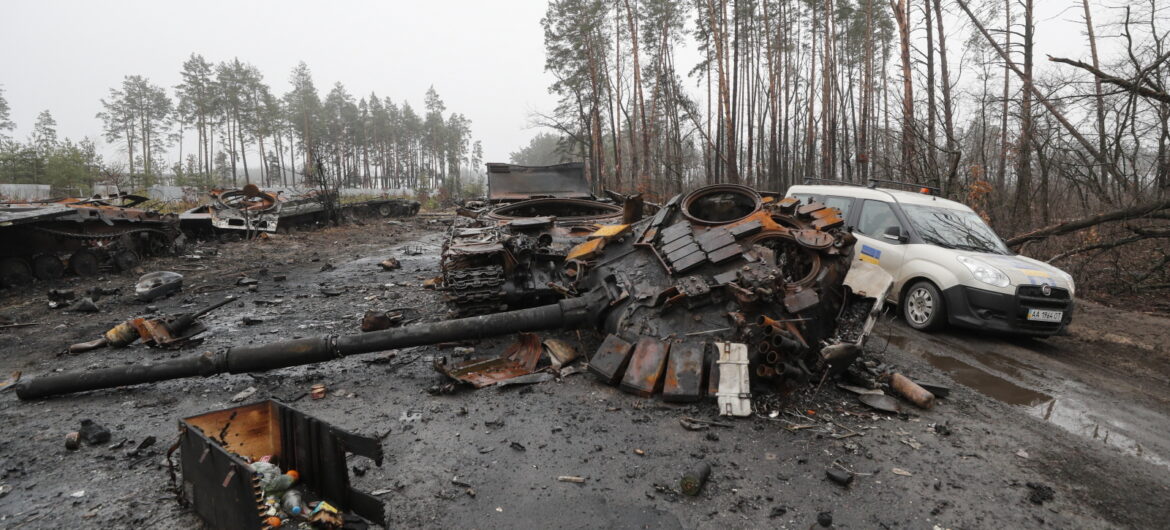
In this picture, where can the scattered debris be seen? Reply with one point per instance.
(83, 305)
(839, 476)
(245, 281)
(910, 390)
(93, 433)
(517, 446)
(692, 481)
(1022, 454)
(143, 445)
(390, 264)
(692, 424)
(317, 391)
(881, 402)
(332, 291)
(73, 441)
(154, 285)
(168, 332)
(379, 320)
(559, 352)
(60, 298)
(570, 478)
(825, 519)
(902, 472)
(244, 394)
(1040, 493)
(734, 394)
(12, 380)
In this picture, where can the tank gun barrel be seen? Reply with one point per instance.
(570, 313)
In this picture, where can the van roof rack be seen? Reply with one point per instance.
(931, 190)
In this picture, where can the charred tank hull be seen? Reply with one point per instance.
(46, 240)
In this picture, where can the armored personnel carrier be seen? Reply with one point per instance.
(45, 239)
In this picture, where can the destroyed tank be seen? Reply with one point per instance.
(46, 239)
(249, 211)
(503, 253)
(719, 281)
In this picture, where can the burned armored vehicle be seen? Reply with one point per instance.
(45, 239)
(249, 211)
(504, 252)
(720, 287)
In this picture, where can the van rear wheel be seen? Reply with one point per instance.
(922, 307)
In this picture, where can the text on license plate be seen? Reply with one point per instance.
(1044, 315)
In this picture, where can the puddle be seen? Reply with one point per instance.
(1075, 408)
(1079, 417)
(987, 383)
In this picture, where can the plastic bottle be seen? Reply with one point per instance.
(291, 502)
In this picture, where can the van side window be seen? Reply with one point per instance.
(876, 217)
(840, 203)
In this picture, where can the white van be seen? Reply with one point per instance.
(948, 265)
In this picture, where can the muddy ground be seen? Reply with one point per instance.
(1085, 415)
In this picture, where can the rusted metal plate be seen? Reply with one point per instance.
(609, 363)
(485, 372)
(644, 373)
(683, 380)
(813, 238)
(801, 300)
(711, 370)
(827, 218)
(525, 351)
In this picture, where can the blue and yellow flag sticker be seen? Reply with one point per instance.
(870, 255)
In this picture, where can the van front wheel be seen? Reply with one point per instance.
(922, 307)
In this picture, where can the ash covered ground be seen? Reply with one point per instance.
(1068, 432)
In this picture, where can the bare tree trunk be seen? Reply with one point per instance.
(866, 96)
(953, 153)
(1100, 96)
(902, 17)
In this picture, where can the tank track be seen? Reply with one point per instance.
(476, 290)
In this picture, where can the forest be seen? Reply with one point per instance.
(230, 113)
(947, 93)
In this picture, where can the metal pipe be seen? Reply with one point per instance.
(569, 314)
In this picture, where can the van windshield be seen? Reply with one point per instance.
(950, 228)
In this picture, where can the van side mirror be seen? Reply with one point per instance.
(894, 233)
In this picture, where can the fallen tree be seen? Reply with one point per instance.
(1088, 222)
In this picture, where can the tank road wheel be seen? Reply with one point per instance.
(47, 267)
(84, 262)
(922, 307)
(14, 272)
(125, 260)
(385, 210)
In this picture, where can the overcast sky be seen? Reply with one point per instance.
(485, 58)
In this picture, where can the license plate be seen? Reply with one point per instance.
(1044, 315)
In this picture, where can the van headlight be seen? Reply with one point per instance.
(984, 272)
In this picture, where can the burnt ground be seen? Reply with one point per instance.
(1084, 415)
